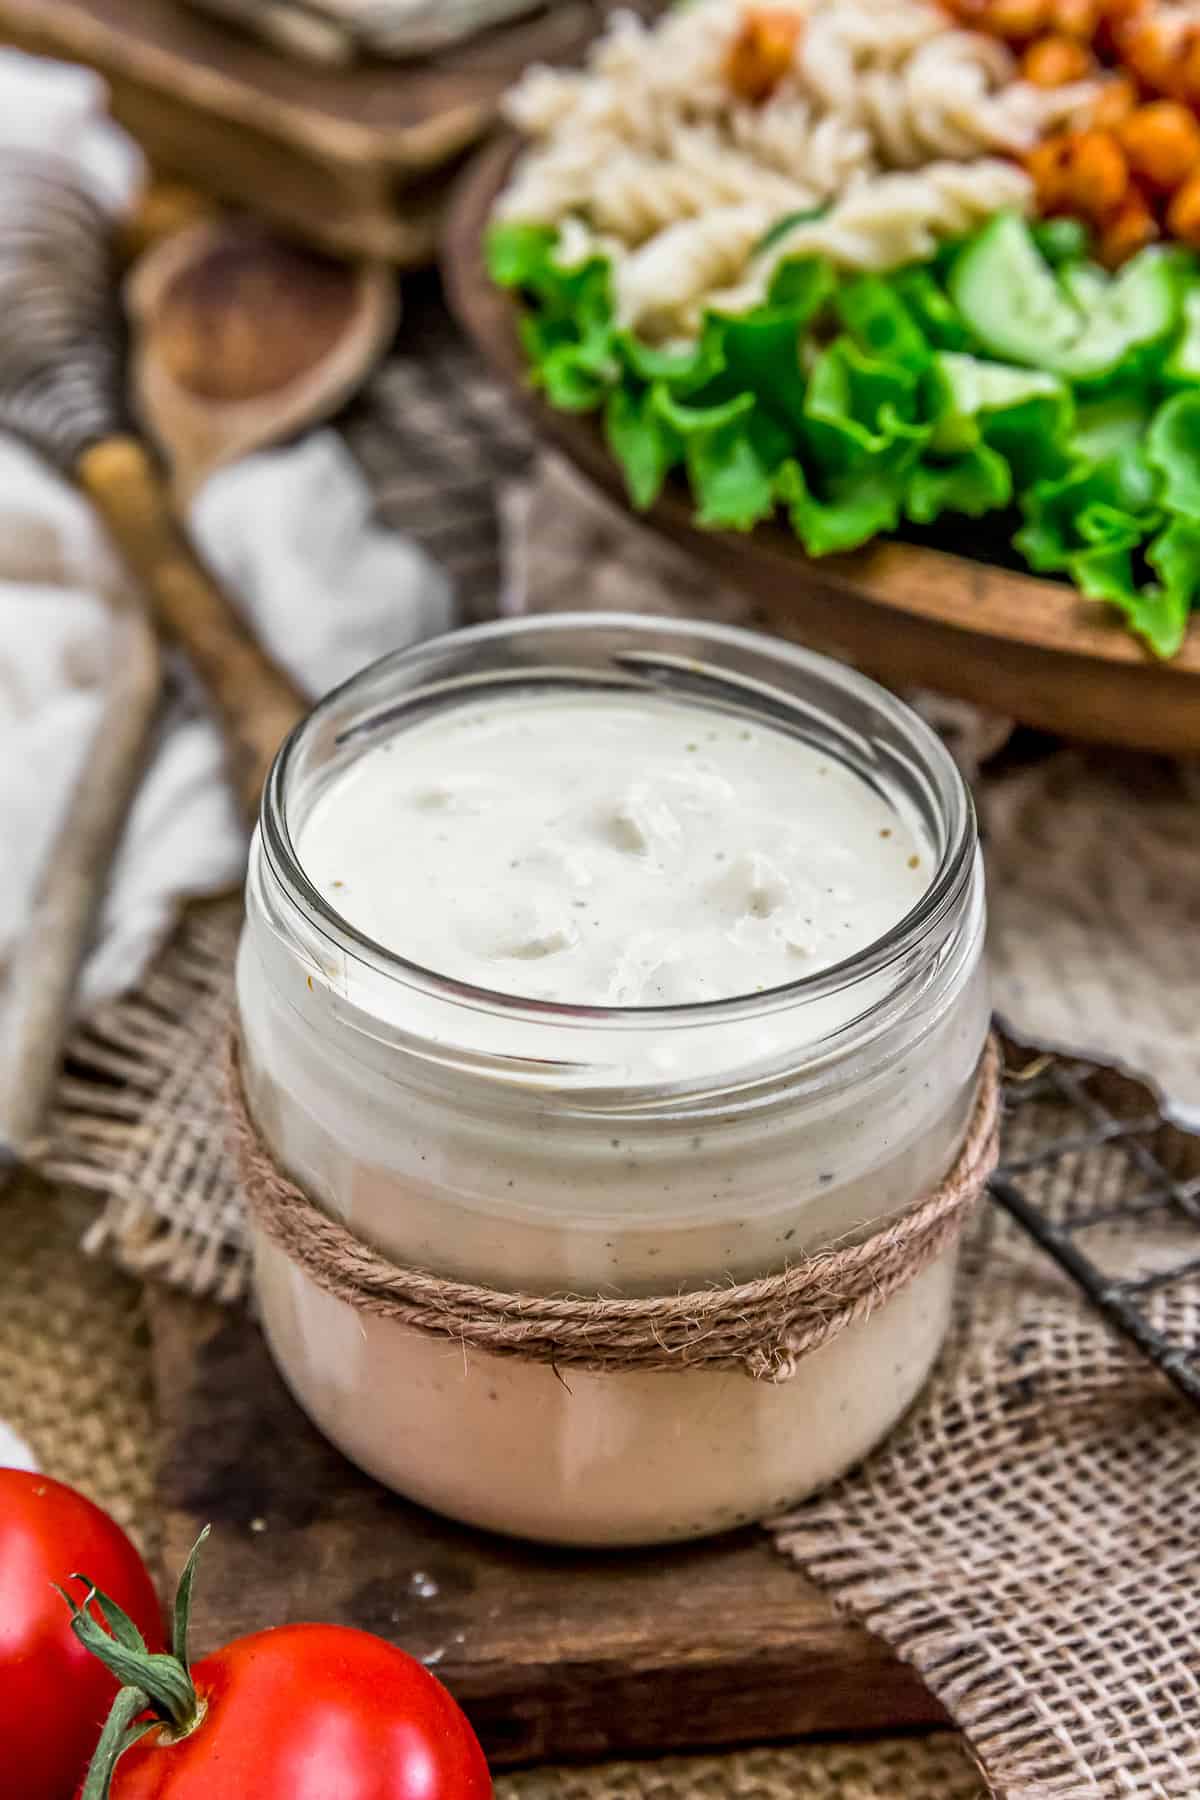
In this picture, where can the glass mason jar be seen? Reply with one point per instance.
(543, 1148)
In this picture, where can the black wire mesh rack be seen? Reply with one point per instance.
(1156, 1166)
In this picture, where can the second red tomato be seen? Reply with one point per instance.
(312, 1712)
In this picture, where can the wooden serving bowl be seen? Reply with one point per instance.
(1032, 649)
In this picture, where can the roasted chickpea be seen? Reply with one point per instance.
(1129, 230)
(1015, 20)
(1116, 15)
(1115, 101)
(762, 52)
(1049, 166)
(1117, 18)
(1185, 83)
(1100, 174)
(1081, 172)
(1151, 51)
(1183, 214)
(1161, 142)
(1074, 18)
(1053, 61)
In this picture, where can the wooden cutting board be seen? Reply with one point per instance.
(555, 1654)
(348, 158)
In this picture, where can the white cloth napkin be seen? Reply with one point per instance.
(324, 588)
(290, 533)
(14, 1451)
(57, 108)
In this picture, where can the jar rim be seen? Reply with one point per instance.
(636, 636)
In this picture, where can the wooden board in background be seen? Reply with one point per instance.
(1022, 646)
(348, 158)
(554, 1654)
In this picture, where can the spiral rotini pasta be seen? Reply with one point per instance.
(663, 286)
(954, 95)
(899, 217)
(842, 42)
(883, 111)
(825, 151)
(633, 193)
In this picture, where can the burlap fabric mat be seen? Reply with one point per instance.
(74, 1357)
(1030, 1538)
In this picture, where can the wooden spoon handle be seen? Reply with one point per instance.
(256, 703)
(41, 990)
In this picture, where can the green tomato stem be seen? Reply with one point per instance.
(120, 1731)
(183, 1601)
(155, 1683)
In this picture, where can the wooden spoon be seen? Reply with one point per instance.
(45, 971)
(241, 339)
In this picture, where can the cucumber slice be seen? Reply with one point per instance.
(1085, 284)
(1019, 311)
(1008, 295)
(1183, 364)
(973, 385)
(1061, 240)
(1140, 308)
(963, 388)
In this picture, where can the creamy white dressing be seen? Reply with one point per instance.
(577, 848)
(603, 850)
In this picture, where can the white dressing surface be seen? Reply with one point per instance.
(603, 850)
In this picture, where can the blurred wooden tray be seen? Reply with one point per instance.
(1028, 648)
(347, 158)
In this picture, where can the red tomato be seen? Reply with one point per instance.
(54, 1696)
(311, 1712)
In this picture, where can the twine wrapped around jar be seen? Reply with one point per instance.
(762, 1327)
